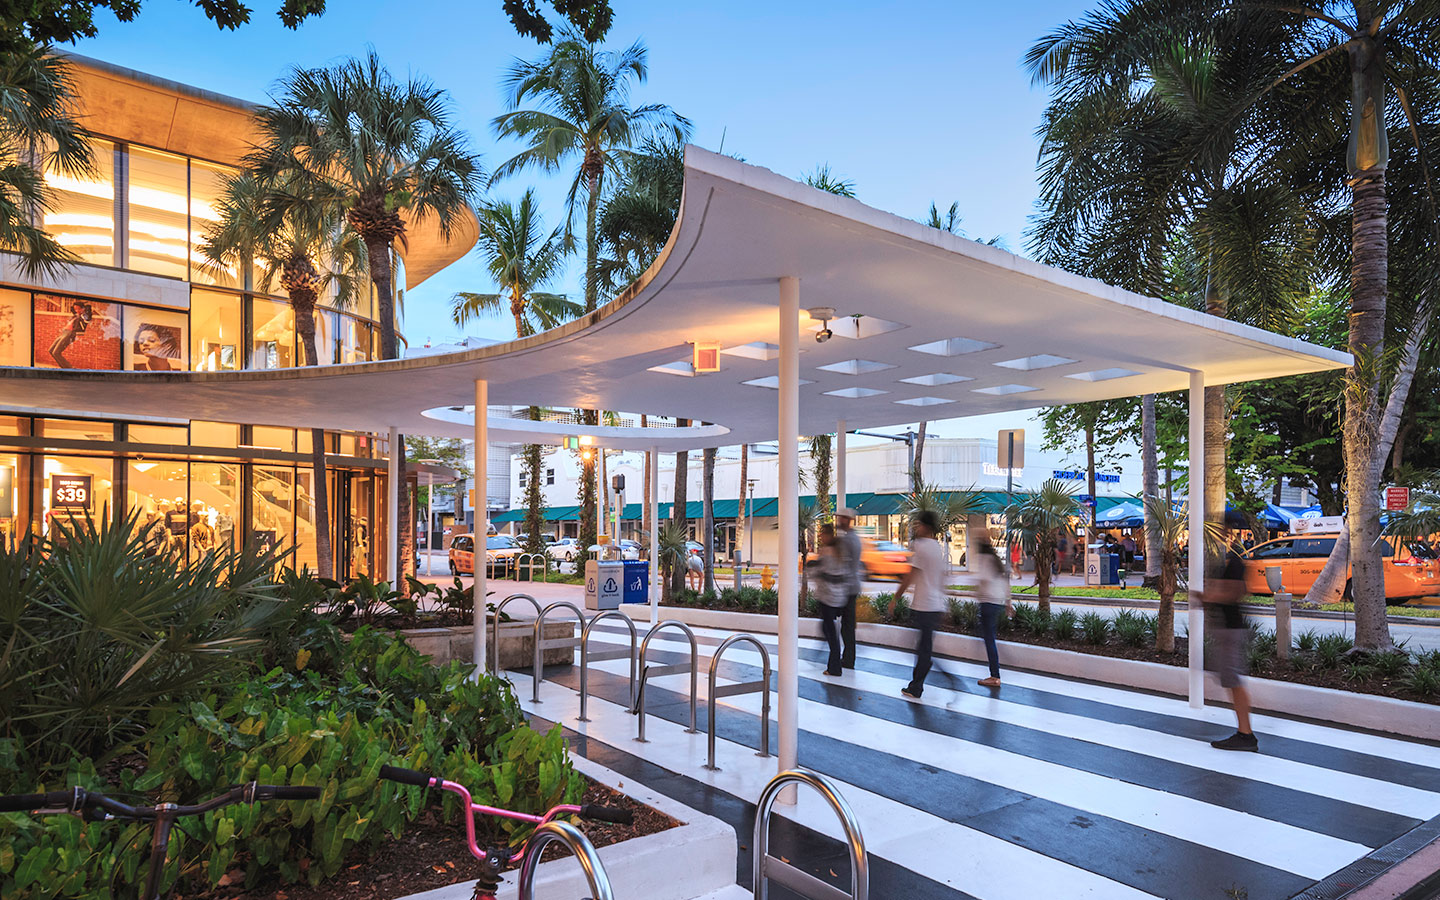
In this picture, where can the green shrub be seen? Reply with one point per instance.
(729, 597)
(881, 603)
(1428, 659)
(1030, 620)
(1095, 628)
(1130, 628)
(1063, 624)
(811, 606)
(1262, 643)
(1357, 671)
(1306, 640)
(900, 609)
(1391, 665)
(1152, 625)
(1330, 650)
(1423, 680)
(964, 614)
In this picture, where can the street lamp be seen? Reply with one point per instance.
(750, 522)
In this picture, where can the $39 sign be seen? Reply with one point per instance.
(70, 491)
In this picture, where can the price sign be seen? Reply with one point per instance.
(1396, 498)
(70, 491)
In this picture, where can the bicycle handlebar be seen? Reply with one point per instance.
(79, 799)
(407, 776)
(27, 802)
(613, 814)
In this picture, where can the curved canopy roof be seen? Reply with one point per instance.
(928, 325)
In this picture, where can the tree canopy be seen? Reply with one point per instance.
(65, 21)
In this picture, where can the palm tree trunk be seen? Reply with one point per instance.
(708, 530)
(604, 488)
(1151, 485)
(645, 523)
(1216, 434)
(377, 252)
(1090, 472)
(592, 249)
(678, 509)
(919, 465)
(324, 554)
(739, 554)
(1044, 553)
(1165, 617)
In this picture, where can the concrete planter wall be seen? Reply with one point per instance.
(517, 643)
(1402, 717)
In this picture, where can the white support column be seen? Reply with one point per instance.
(1195, 614)
(482, 518)
(393, 529)
(840, 464)
(430, 527)
(789, 575)
(652, 497)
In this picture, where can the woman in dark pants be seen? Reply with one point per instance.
(831, 590)
(994, 593)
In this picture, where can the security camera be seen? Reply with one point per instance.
(823, 335)
(823, 315)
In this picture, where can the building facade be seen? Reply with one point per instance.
(142, 299)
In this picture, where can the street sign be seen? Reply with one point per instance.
(1010, 448)
(1396, 498)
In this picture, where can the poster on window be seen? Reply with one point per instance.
(155, 340)
(75, 333)
(14, 328)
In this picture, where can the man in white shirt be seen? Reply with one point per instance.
(850, 552)
(928, 567)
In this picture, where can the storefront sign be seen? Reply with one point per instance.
(992, 469)
(1396, 498)
(1101, 477)
(70, 491)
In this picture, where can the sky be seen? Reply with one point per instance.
(915, 103)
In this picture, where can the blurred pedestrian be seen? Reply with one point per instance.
(928, 567)
(832, 582)
(848, 545)
(1227, 654)
(994, 593)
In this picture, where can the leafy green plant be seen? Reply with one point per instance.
(1130, 628)
(1030, 619)
(1063, 624)
(964, 614)
(1428, 659)
(1330, 649)
(1095, 628)
(881, 603)
(371, 598)
(900, 609)
(1392, 664)
(1357, 672)
(1262, 642)
(1307, 640)
(1423, 680)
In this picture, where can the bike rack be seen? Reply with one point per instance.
(657, 671)
(527, 562)
(579, 845)
(745, 687)
(494, 659)
(554, 643)
(601, 655)
(768, 868)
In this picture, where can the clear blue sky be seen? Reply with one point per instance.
(914, 102)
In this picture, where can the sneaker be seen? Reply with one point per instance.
(1238, 741)
(909, 693)
(834, 673)
(992, 681)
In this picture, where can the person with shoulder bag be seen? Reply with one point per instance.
(994, 596)
(831, 579)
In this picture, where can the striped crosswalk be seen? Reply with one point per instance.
(1046, 788)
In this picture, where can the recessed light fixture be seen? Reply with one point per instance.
(956, 346)
(756, 350)
(1038, 361)
(706, 357)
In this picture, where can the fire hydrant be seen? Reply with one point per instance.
(767, 578)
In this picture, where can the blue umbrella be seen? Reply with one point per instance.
(1122, 515)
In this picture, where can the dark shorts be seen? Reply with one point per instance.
(1226, 655)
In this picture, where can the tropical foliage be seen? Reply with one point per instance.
(1035, 521)
(951, 508)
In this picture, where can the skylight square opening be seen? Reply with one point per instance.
(1039, 361)
(754, 350)
(856, 327)
(1103, 374)
(855, 393)
(935, 379)
(956, 346)
(772, 382)
(678, 367)
(1001, 390)
(856, 367)
(924, 401)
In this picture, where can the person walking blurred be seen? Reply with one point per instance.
(928, 567)
(832, 584)
(1227, 655)
(848, 544)
(994, 597)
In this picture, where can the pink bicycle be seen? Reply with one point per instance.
(547, 830)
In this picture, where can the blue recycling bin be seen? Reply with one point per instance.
(637, 581)
(1110, 569)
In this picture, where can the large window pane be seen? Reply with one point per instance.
(158, 238)
(14, 328)
(82, 210)
(14, 497)
(71, 333)
(214, 434)
(75, 429)
(156, 434)
(268, 438)
(215, 500)
(207, 184)
(214, 331)
(76, 488)
(156, 340)
(273, 346)
(159, 490)
(354, 340)
(272, 499)
(305, 550)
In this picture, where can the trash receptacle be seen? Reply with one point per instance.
(604, 584)
(1110, 569)
(637, 581)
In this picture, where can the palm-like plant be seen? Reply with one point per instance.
(1171, 527)
(640, 212)
(824, 179)
(951, 508)
(673, 542)
(1035, 521)
(295, 238)
(38, 132)
(822, 456)
(380, 150)
(582, 112)
(520, 257)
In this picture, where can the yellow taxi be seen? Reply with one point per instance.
(501, 551)
(1413, 572)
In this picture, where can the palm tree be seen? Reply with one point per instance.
(673, 542)
(294, 238)
(39, 132)
(707, 492)
(1171, 526)
(744, 516)
(825, 180)
(639, 212)
(520, 258)
(380, 151)
(952, 509)
(1035, 520)
(807, 519)
(583, 112)
(679, 512)
(822, 456)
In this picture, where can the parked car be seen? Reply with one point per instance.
(628, 549)
(880, 559)
(1414, 572)
(500, 552)
(566, 549)
(522, 539)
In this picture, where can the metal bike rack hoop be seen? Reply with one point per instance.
(527, 562)
(646, 672)
(579, 845)
(542, 645)
(494, 660)
(744, 687)
(601, 655)
(768, 868)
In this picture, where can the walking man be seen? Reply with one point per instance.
(927, 575)
(1227, 654)
(848, 544)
